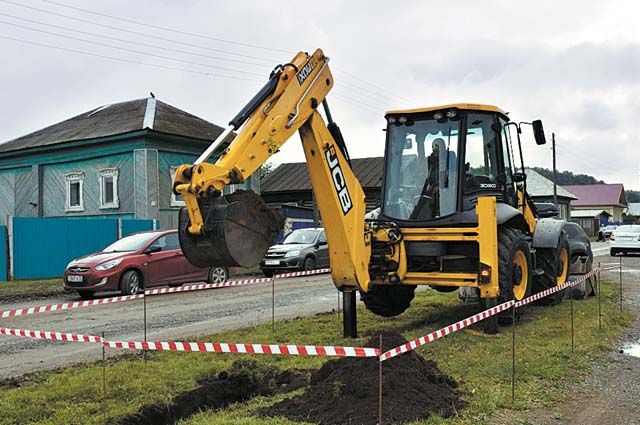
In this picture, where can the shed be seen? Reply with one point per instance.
(590, 220)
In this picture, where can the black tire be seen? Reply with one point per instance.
(268, 273)
(86, 295)
(388, 300)
(612, 252)
(586, 288)
(549, 260)
(130, 283)
(175, 285)
(514, 269)
(217, 274)
(309, 263)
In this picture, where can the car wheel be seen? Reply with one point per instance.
(309, 264)
(130, 283)
(86, 295)
(612, 252)
(218, 274)
(268, 273)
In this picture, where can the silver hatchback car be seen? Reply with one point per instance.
(302, 249)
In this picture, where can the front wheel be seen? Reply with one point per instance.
(86, 295)
(130, 283)
(388, 300)
(309, 264)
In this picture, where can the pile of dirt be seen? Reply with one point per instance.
(243, 381)
(345, 391)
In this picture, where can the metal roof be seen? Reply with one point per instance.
(291, 177)
(116, 119)
(634, 209)
(598, 195)
(540, 186)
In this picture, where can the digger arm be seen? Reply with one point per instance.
(288, 103)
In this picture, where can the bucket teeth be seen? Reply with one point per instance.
(238, 230)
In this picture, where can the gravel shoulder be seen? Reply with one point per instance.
(611, 392)
(169, 317)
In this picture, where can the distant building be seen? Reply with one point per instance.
(114, 161)
(600, 197)
(540, 189)
(590, 220)
(633, 213)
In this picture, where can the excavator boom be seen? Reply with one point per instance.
(237, 229)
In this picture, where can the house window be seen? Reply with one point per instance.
(74, 186)
(176, 200)
(109, 188)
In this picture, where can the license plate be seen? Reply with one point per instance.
(272, 262)
(74, 278)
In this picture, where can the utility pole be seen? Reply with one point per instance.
(555, 184)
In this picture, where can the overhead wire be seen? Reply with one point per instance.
(137, 43)
(132, 50)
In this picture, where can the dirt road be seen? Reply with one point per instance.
(171, 316)
(611, 394)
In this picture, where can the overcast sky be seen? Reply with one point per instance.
(574, 64)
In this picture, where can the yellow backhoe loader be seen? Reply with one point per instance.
(454, 212)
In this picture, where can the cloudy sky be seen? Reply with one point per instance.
(574, 64)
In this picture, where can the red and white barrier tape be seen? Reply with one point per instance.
(156, 291)
(53, 336)
(66, 306)
(272, 349)
(433, 336)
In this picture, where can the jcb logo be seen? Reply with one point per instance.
(338, 180)
(305, 71)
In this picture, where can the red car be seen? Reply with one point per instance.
(134, 262)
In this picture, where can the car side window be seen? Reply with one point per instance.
(322, 240)
(168, 242)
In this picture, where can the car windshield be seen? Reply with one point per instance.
(131, 243)
(305, 236)
(628, 229)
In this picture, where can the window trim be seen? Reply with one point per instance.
(75, 177)
(109, 172)
(174, 201)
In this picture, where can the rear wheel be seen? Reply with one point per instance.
(388, 300)
(514, 264)
(555, 264)
(130, 283)
(218, 274)
(268, 273)
(86, 295)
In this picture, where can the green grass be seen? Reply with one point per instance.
(21, 289)
(482, 364)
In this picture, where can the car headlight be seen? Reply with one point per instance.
(291, 254)
(109, 264)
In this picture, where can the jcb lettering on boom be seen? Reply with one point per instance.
(338, 180)
(305, 71)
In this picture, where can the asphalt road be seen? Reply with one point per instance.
(169, 317)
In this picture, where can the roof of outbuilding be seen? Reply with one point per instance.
(116, 119)
(588, 213)
(294, 176)
(598, 195)
(538, 185)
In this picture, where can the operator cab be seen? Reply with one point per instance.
(440, 160)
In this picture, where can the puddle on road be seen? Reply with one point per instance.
(632, 349)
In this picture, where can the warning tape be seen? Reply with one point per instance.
(208, 347)
(53, 336)
(272, 349)
(66, 306)
(447, 330)
(156, 291)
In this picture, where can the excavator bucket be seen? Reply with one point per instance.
(238, 230)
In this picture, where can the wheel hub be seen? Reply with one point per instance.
(517, 275)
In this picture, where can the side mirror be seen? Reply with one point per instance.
(152, 249)
(519, 177)
(538, 132)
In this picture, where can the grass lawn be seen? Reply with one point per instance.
(480, 363)
(30, 289)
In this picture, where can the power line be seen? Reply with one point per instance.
(174, 30)
(131, 50)
(209, 74)
(169, 40)
(123, 40)
(395, 95)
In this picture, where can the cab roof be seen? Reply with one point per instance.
(466, 106)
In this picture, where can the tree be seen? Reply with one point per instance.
(265, 169)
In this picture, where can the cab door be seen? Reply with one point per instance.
(165, 261)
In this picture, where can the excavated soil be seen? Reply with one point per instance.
(243, 381)
(345, 391)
